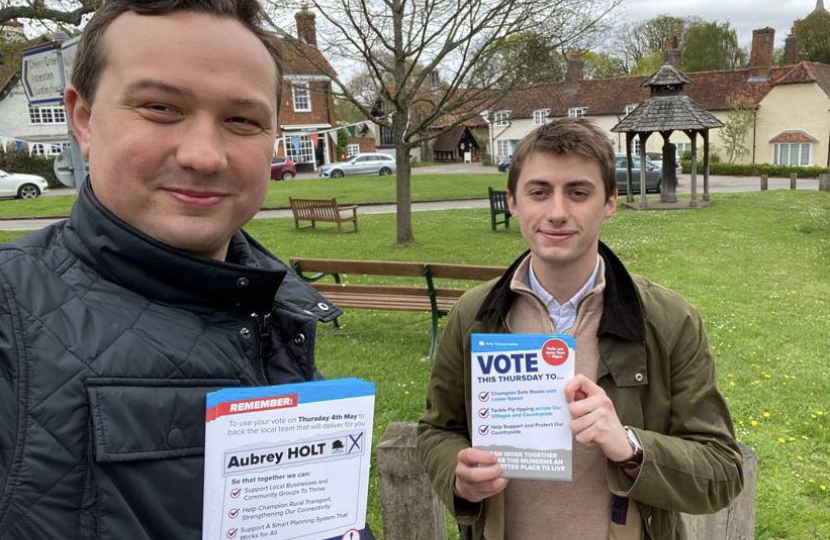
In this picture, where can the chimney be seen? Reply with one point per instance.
(575, 67)
(306, 27)
(672, 56)
(763, 41)
(790, 50)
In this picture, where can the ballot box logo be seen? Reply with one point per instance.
(555, 352)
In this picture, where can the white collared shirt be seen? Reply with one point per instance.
(562, 315)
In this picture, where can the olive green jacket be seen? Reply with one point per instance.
(655, 365)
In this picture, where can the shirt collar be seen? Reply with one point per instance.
(548, 299)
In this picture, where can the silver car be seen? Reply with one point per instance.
(653, 175)
(22, 186)
(360, 165)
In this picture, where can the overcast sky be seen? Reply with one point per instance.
(744, 15)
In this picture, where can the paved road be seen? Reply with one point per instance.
(717, 184)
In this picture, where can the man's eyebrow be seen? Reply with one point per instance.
(579, 182)
(155, 84)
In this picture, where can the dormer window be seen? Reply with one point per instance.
(540, 116)
(630, 108)
(577, 112)
(500, 118)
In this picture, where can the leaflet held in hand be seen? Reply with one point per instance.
(518, 402)
(288, 462)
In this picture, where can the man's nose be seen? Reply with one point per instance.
(202, 147)
(557, 208)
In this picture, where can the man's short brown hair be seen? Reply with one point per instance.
(566, 137)
(91, 59)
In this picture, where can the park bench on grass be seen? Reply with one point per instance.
(427, 297)
(315, 210)
(498, 208)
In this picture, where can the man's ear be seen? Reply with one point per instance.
(78, 111)
(511, 204)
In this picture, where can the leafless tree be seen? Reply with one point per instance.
(430, 60)
(69, 12)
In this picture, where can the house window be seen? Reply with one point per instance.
(352, 150)
(386, 138)
(577, 112)
(300, 148)
(682, 148)
(500, 118)
(505, 147)
(540, 116)
(50, 114)
(630, 108)
(45, 149)
(791, 153)
(302, 97)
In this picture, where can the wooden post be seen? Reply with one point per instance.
(824, 182)
(793, 177)
(705, 134)
(736, 521)
(693, 200)
(411, 509)
(764, 182)
(643, 160)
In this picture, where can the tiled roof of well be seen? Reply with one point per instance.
(667, 113)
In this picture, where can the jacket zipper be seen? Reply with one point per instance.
(264, 327)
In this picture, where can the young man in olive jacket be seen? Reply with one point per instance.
(653, 436)
(116, 323)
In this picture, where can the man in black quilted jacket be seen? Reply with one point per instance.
(116, 323)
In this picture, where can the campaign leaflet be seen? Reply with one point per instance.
(518, 402)
(288, 462)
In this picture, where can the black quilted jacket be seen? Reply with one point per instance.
(109, 342)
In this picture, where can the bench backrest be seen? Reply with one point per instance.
(398, 268)
(498, 200)
(320, 208)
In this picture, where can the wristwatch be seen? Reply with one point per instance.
(637, 459)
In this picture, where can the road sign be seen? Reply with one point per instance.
(43, 79)
(69, 50)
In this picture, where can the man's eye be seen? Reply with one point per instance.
(579, 194)
(245, 125)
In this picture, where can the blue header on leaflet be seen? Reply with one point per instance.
(307, 392)
(484, 343)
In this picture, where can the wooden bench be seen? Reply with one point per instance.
(498, 208)
(427, 297)
(315, 210)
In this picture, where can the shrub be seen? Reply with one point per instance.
(755, 169)
(21, 162)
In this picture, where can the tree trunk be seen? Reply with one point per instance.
(404, 195)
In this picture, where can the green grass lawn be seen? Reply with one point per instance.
(757, 265)
(347, 190)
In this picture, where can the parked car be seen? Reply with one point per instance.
(368, 164)
(22, 186)
(504, 164)
(283, 168)
(653, 175)
(657, 159)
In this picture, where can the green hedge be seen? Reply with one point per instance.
(21, 162)
(756, 169)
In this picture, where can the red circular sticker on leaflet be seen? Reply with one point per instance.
(555, 352)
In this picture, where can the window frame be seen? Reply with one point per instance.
(303, 95)
(47, 115)
(577, 112)
(540, 114)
